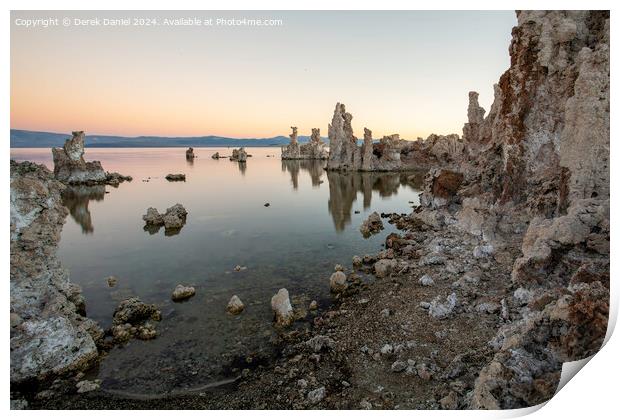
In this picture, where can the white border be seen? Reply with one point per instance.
(592, 395)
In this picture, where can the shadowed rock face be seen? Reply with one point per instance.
(49, 334)
(70, 166)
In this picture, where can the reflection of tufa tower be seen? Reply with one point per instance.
(344, 187)
(313, 167)
(76, 199)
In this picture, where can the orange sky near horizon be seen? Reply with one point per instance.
(397, 72)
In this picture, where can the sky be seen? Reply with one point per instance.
(406, 72)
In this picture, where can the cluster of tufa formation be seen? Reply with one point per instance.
(315, 149)
(390, 153)
(71, 168)
(240, 155)
(173, 219)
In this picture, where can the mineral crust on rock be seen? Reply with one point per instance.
(49, 336)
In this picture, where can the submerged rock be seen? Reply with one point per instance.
(282, 308)
(182, 292)
(235, 305)
(215, 155)
(111, 280)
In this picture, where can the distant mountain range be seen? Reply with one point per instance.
(24, 138)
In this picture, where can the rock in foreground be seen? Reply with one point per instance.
(49, 334)
(282, 308)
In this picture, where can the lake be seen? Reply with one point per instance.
(310, 226)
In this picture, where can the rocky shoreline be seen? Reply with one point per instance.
(495, 280)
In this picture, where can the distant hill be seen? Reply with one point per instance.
(24, 138)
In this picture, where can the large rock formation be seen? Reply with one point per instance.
(70, 166)
(344, 153)
(314, 149)
(50, 336)
(539, 161)
(388, 154)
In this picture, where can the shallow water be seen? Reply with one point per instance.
(309, 227)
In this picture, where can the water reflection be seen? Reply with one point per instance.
(344, 186)
(242, 167)
(76, 199)
(313, 167)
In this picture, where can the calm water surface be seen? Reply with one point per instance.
(309, 227)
